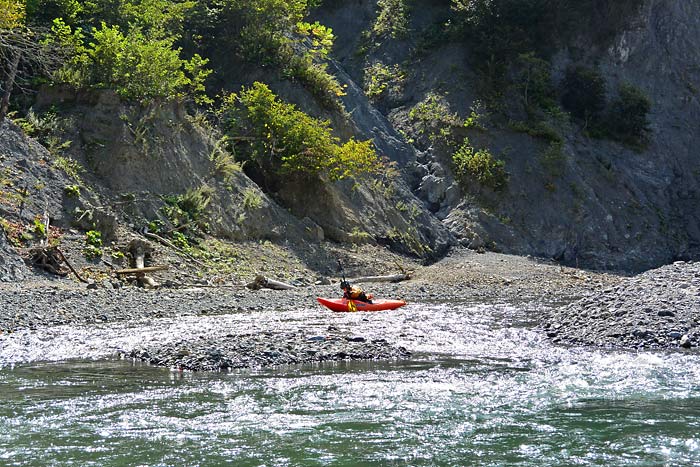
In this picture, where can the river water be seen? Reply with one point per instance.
(482, 388)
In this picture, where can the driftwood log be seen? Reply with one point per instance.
(141, 270)
(52, 260)
(390, 278)
(262, 282)
(138, 249)
(48, 259)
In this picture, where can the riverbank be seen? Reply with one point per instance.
(559, 298)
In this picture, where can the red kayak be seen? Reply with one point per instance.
(343, 304)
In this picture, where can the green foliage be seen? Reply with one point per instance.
(321, 38)
(223, 161)
(93, 237)
(537, 129)
(316, 78)
(535, 81)
(553, 159)
(252, 199)
(434, 119)
(139, 60)
(139, 67)
(42, 12)
(380, 78)
(71, 167)
(39, 227)
(156, 18)
(480, 165)
(39, 126)
(261, 30)
(290, 141)
(500, 30)
(477, 117)
(156, 226)
(392, 18)
(181, 241)
(12, 14)
(583, 92)
(189, 209)
(93, 244)
(72, 191)
(628, 114)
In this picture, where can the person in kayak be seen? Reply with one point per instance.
(354, 293)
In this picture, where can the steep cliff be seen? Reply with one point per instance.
(593, 202)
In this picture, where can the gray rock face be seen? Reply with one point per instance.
(606, 206)
(12, 267)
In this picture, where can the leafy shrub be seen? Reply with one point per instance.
(537, 129)
(189, 209)
(317, 79)
(94, 238)
(380, 78)
(72, 191)
(139, 67)
(39, 227)
(583, 92)
(12, 14)
(181, 241)
(93, 244)
(433, 118)
(480, 165)
(500, 30)
(136, 65)
(252, 199)
(392, 18)
(223, 161)
(291, 141)
(535, 81)
(628, 116)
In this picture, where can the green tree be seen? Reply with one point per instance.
(628, 116)
(535, 81)
(23, 56)
(479, 165)
(583, 92)
(12, 14)
(278, 136)
(136, 65)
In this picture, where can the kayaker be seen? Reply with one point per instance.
(354, 293)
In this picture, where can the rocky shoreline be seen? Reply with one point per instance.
(267, 349)
(659, 309)
(655, 310)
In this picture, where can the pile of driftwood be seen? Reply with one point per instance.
(138, 249)
(52, 260)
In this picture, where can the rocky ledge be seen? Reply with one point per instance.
(267, 349)
(657, 309)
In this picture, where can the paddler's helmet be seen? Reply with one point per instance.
(344, 285)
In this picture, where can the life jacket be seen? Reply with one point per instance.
(356, 293)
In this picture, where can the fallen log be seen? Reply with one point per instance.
(261, 282)
(138, 250)
(141, 270)
(390, 278)
(70, 266)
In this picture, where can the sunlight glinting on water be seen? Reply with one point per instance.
(478, 389)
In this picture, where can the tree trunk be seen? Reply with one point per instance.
(9, 84)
